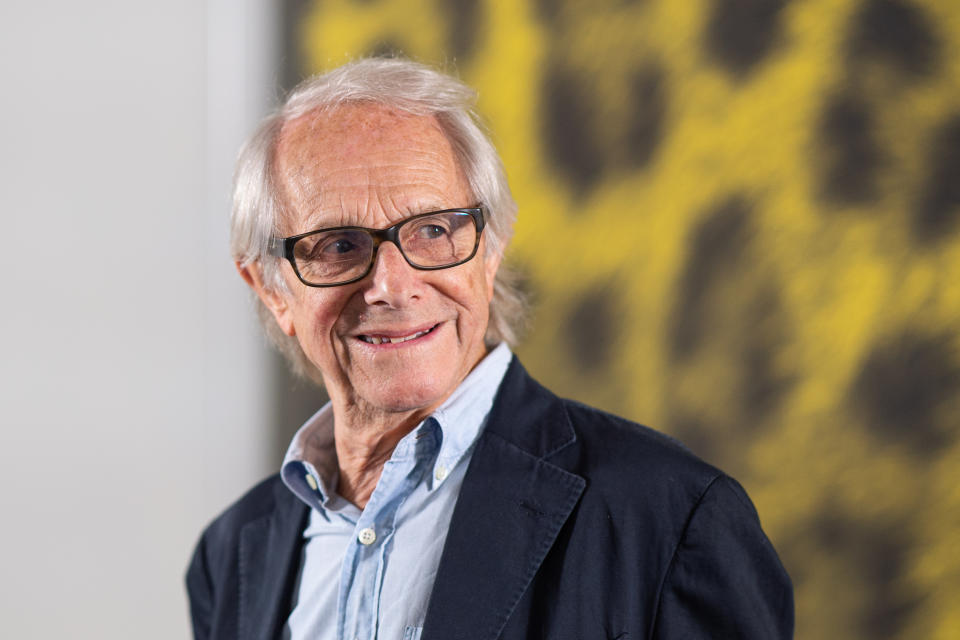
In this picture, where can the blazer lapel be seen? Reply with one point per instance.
(269, 563)
(511, 507)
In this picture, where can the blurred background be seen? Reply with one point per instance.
(739, 221)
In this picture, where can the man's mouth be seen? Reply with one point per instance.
(384, 339)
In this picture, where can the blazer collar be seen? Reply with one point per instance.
(529, 416)
(512, 505)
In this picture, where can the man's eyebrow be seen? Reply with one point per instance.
(417, 209)
(321, 220)
(331, 220)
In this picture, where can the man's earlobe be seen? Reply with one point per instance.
(274, 300)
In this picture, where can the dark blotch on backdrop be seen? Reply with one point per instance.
(741, 33)
(717, 245)
(851, 155)
(904, 386)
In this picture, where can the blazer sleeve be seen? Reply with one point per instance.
(725, 579)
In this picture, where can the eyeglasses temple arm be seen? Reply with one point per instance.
(276, 247)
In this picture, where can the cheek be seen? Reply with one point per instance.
(475, 296)
(316, 319)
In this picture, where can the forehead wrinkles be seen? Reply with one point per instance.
(356, 145)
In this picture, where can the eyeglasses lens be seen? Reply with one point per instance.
(333, 256)
(438, 240)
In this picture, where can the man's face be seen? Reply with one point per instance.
(367, 166)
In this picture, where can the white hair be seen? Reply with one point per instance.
(405, 86)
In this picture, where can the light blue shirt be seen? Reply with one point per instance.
(368, 574)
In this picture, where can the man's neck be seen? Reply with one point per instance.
(366, 436)
(361, 453)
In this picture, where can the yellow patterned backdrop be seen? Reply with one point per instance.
(740, 221)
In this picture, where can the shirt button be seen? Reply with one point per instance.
(367, 536)
(311, 481)
(441, 473)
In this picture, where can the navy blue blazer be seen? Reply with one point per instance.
(571, 524)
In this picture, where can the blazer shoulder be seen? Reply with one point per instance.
(262, 500)
(618, 456)
(645, 480)
(621, 439)
(214, 574)
(609, 451)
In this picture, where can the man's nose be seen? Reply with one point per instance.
(393, 281)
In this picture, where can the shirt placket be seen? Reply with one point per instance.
(361, 577)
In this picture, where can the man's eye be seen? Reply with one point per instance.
(339, 246)
(431, 231)
(332, 248)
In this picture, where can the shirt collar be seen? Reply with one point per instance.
(463, 415)
(309, 467)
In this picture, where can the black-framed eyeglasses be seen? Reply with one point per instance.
(341, 255)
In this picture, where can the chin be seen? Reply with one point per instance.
(409, 392)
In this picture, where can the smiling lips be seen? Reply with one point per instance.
(383, 339)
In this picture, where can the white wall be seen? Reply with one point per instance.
(134, 404)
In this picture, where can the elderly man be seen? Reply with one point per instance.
(442, 493)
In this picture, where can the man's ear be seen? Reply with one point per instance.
(274, 300)
(490, 266)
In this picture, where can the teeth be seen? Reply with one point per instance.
(411, 337)
(379, 340)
